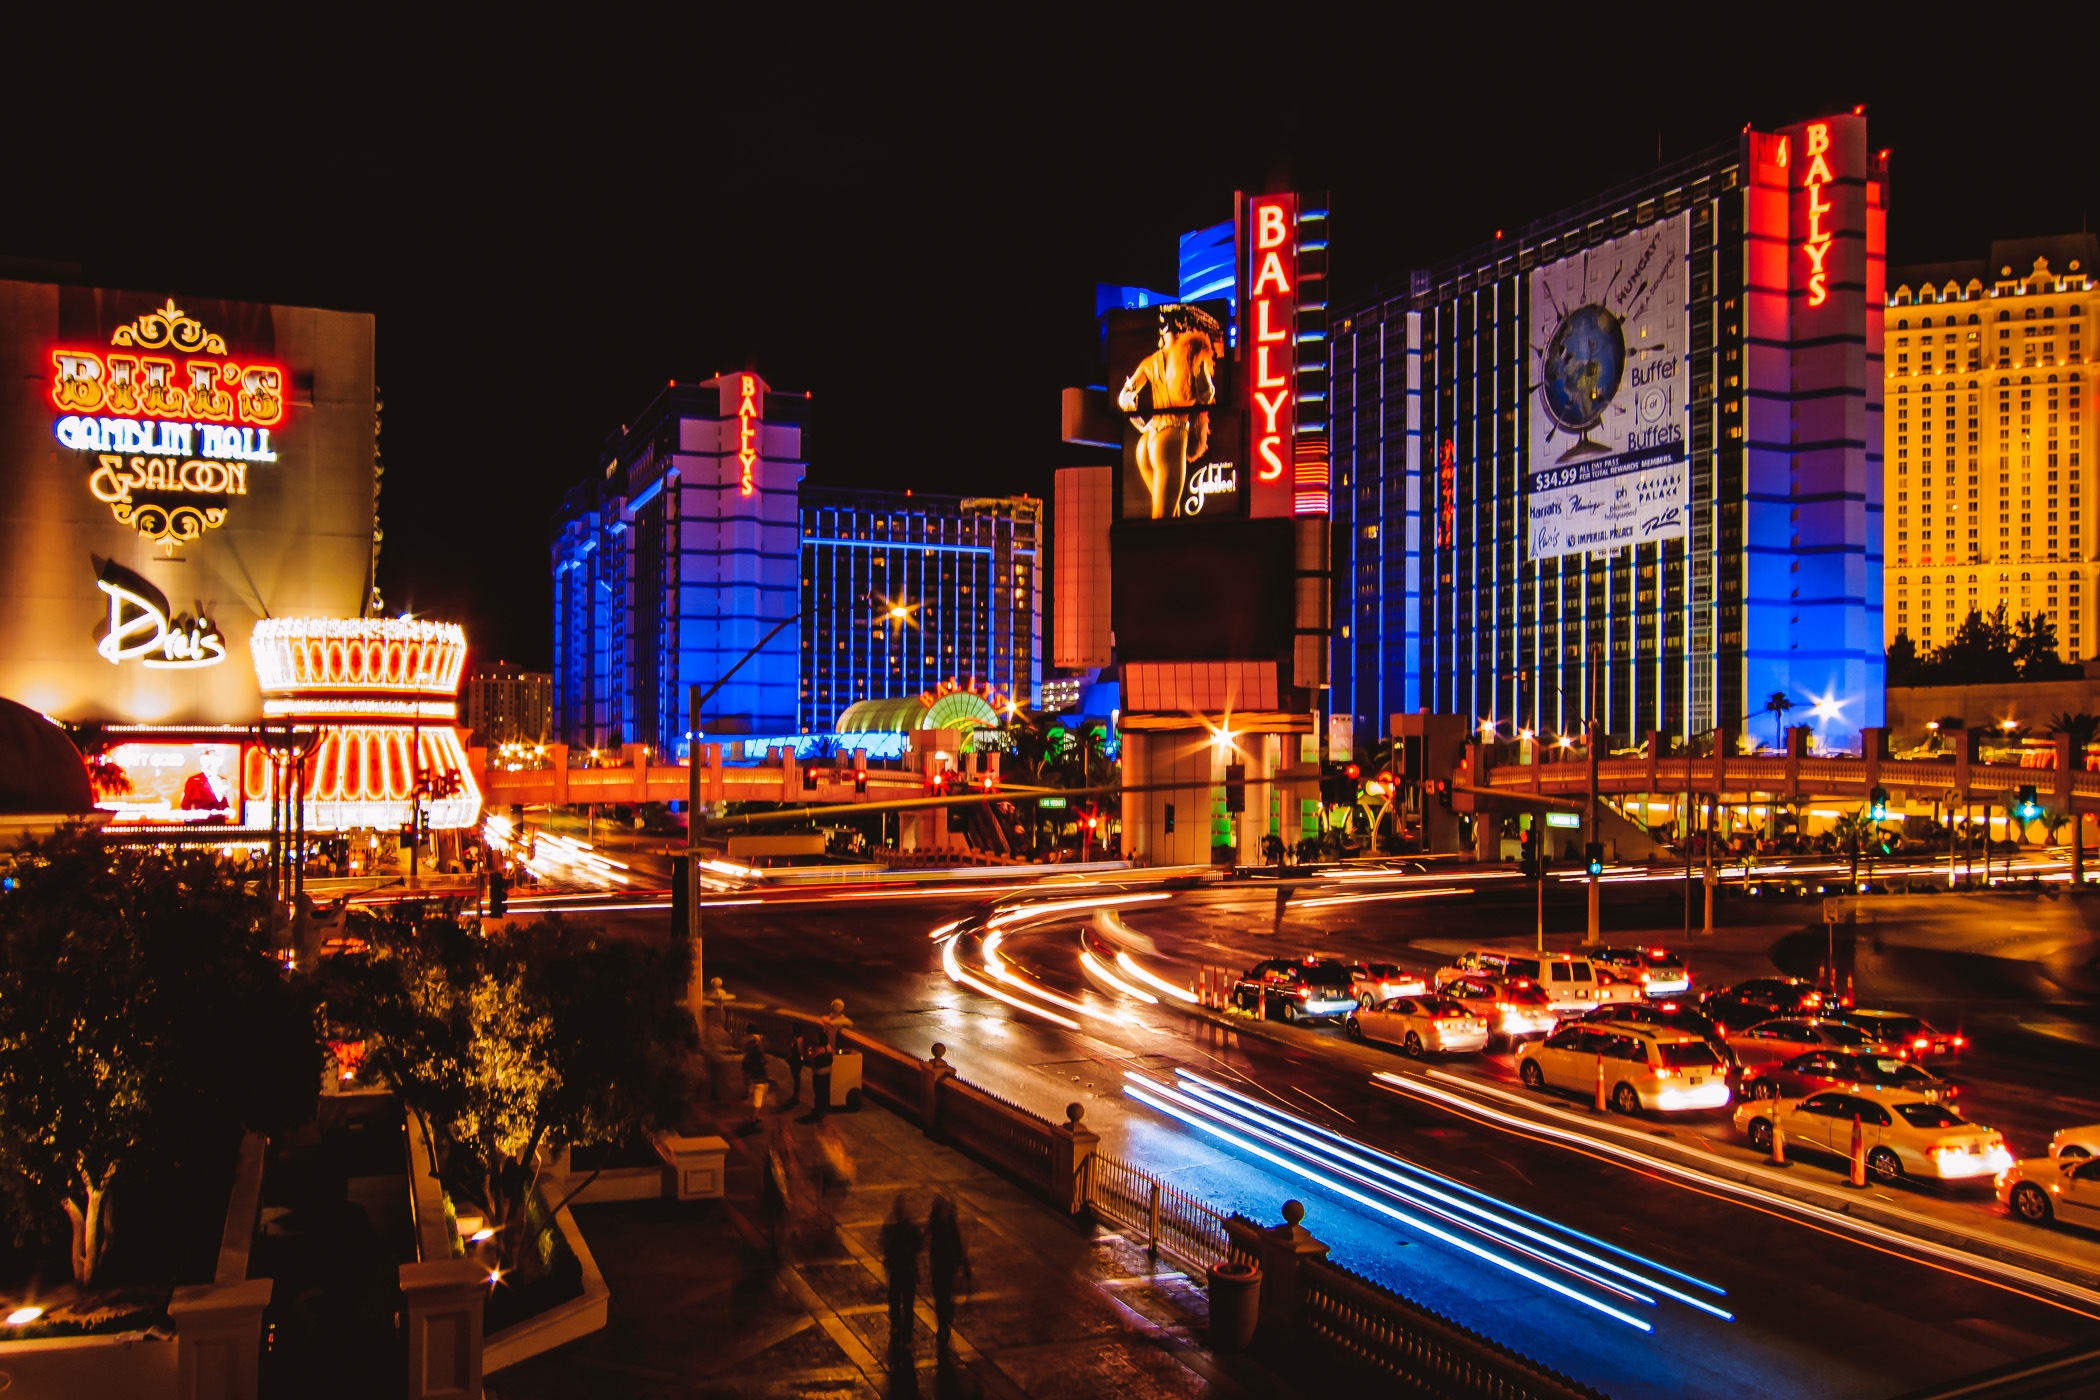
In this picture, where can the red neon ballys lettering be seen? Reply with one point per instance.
(748, 417)
(1817, 178)
(1272, 302)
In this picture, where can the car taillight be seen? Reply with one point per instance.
(1666, 1074)
(1959, 1042)
(1922, 1043)
(1644, 977)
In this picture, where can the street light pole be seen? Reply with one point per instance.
(1595, 934)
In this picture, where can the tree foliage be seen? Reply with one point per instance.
(535, 1036)
(141, 1014)
(1987, 649)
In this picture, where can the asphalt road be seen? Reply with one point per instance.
(1815, 1313)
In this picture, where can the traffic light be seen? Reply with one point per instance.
(1594, 853)
(1236, 786)
(681, 895)
(1528, 851)
(499, 887)
(809, 780)
(1351, 772)
(1170, 819)
(2029, 806)
(1878, 804)
(860, 780)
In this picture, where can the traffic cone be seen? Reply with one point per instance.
(1600, 1083)
(1859, 1152)
(1778, 1141)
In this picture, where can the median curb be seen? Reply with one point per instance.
(1825, 1202)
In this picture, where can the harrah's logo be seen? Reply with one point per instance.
(1815, 182)
(748, 418)
(1275, 356)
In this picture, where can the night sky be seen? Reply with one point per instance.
(549, 225)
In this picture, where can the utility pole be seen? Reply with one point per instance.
(1595, 934)
(1712, 811)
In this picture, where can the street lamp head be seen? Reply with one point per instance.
(900, 612)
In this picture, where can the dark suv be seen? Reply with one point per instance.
(1759, 999)
(1296, 990)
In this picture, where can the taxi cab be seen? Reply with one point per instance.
(2043, 1189)
(1644, 1067)
(1904, 1133)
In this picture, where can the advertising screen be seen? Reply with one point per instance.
(1608, 423)
(1202, 591)
(1168, 372)
(183, 784)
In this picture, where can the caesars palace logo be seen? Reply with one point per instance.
(170, 420)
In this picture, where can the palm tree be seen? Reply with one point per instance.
(2080, 729)
(1778, 703)
(1853, 829)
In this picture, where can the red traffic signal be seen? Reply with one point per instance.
(1352, 772)
(860, 780)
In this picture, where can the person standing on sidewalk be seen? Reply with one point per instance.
(945, 1258)
(819, 1080)
(900, 1261)
(754, 1080)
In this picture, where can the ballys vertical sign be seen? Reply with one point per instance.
(750, 417)
(1269, 348)
(170, 419)
(1816, 181)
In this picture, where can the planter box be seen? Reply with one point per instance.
(697, 1166)
(564, 1323)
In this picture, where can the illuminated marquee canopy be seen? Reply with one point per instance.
(382, 691)
(173, 431)
(317, 656)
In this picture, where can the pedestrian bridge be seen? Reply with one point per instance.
(1793, 776)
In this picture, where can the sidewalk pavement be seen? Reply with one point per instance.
(1054, 1309)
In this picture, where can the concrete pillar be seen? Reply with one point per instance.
(1282, 1247)
(1071, 1143)
(1487, 835)
(218, 1336)
(442, 1308)
(558, 770)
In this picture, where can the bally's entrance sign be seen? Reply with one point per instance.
(170, 421)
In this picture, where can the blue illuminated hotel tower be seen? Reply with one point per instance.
(673, 562)
(1631, 449)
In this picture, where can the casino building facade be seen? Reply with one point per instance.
(1631, 449)
(1987, 456)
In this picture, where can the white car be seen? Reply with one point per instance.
(1569, 982)
(2076, 1142)
(1659, 971)
(1643, 1067)
(1377, 982)
(2043, 1188)
(1421, 1024)
(1904, 1133)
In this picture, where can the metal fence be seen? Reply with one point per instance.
(1169, 1222)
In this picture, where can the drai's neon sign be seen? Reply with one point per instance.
(749, 417)
(144, 629)
(173, 432)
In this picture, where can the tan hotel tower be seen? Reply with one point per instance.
(1987, 449)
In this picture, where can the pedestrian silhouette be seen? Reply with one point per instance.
(754, 1081)
(900, 1260)
(945, 1259)
(795, 1054)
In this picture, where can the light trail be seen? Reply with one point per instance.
(1450, 1193)
(1033, 911)
(955, 971)
(996, 965)
(1100, 969)
(1835, 1220)
(1383, 894)
(1129, 965)
(1161, 1098)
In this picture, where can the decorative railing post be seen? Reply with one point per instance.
(1152, 1227)
(931, 1073)
(443, 1315)
(1282, 1247)
(1071, 1144)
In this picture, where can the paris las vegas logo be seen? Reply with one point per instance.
(169, 420)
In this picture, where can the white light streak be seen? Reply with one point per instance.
(1129, 965)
